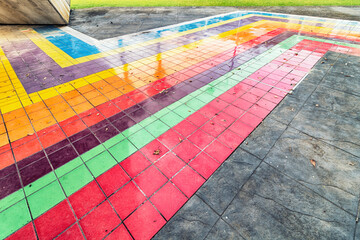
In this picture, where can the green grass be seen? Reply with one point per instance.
(75, 4)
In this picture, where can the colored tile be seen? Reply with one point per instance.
(93, 196)
(101, 163)
(54, 221)
(154, 150)
(186, 150)
(168, 200)
(45, 198)
(73, 232)
(150, 180)
(15, 217)
(204, 164)
(127, 199)
(112, 180)
(188, 181)
(76, 179)
(120, 233)
(144, 222)
(170, 164)
(135, 164)
(122, 150)
(99, 222)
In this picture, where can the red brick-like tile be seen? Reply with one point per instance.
(186, 150)
(230, 139)
(119, 233)
(204, 164)
(154, 150)
(185, 128)
(188, 181)
(98, 223)
(241, 129)
(135, 164)
(170, 139)
(150, 180)
(169, 164)
(201, 139)
(54, 221)
(112, 179)
(73, 233)
(168, 200)
(144, 222)
(218, 151)
(197, 119)
(127, 200)
(93, 196)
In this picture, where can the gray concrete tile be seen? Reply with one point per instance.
(273, 206)
(335, 176)
(338, 102)
(357, 234)
(194, 221)
(316, 74)
(263, 138)
(225, 183)
(340, 131)
(286, 110)
(222, 230)
(340, 82)
(302, 93)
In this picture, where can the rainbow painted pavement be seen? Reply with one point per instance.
(109, 139)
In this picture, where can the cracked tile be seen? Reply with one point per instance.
(272, 206)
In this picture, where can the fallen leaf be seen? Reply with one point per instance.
(180, 139)
(351, 164)
(313, 162)
(156, 152)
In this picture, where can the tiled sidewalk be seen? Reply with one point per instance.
(111, 138)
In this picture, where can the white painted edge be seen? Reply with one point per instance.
(100, 43)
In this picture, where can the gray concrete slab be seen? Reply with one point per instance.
(274, 206)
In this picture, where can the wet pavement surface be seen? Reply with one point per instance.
(102, 23)
(238, 126)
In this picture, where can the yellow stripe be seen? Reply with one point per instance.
(64, 60)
